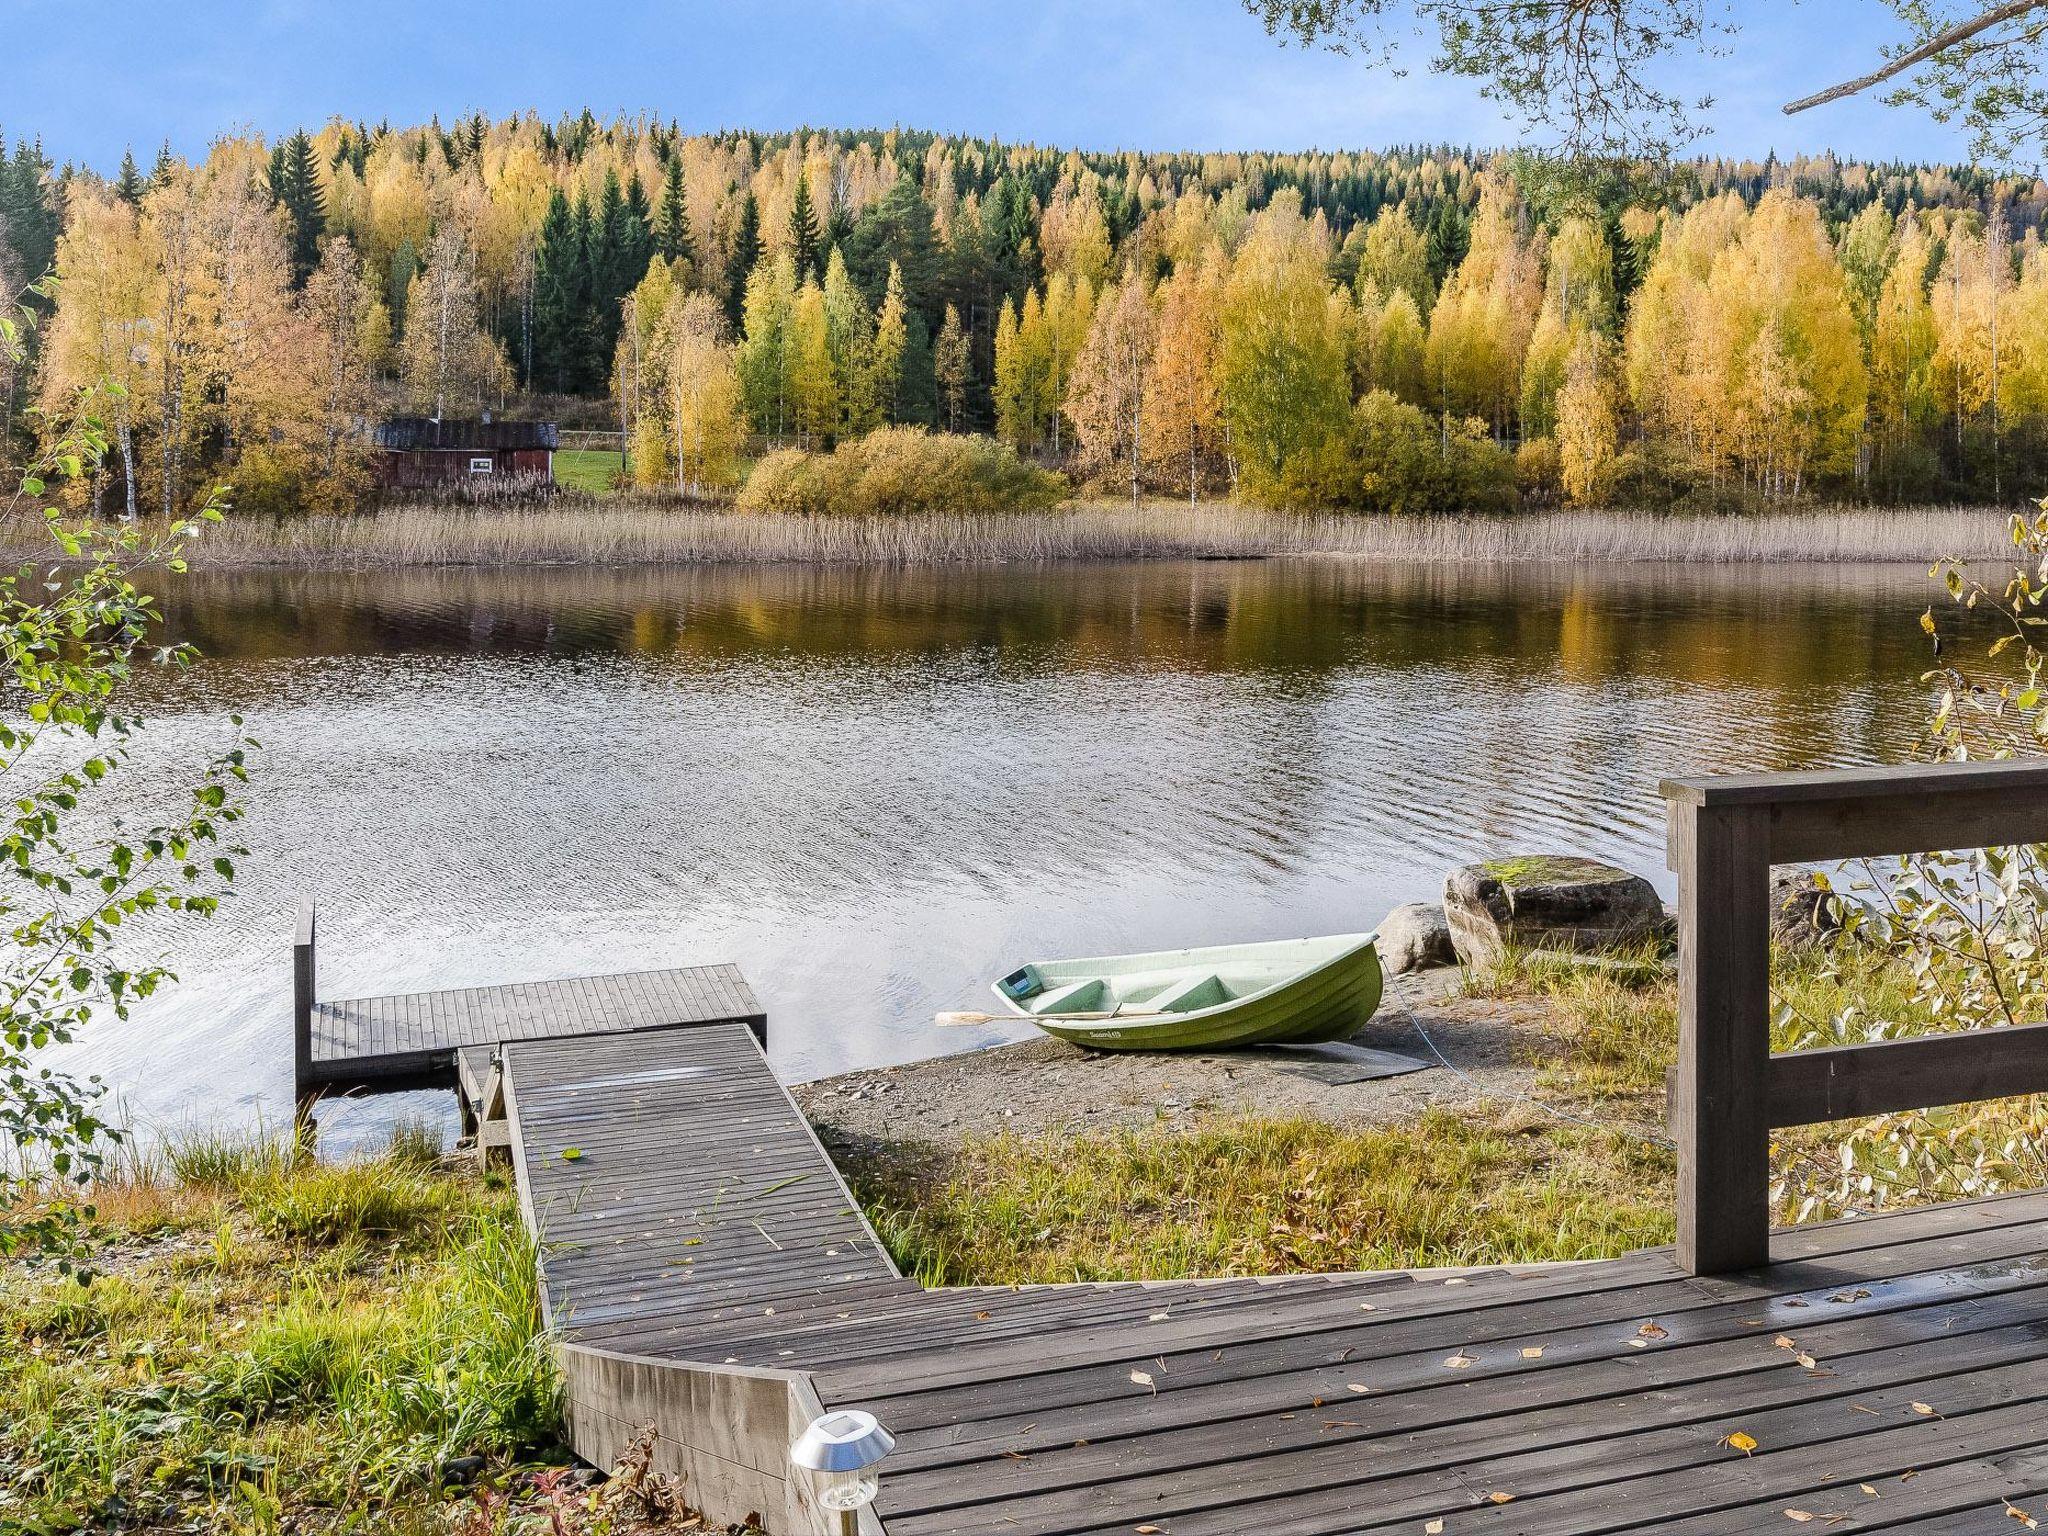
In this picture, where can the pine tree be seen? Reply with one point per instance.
(804, 246)
(165, 167)
(895, 231)
(130, 186)
(672, 239)
(295, 188)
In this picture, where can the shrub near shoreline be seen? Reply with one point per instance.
(898, 470)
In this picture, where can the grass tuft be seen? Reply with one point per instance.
(337, 1202)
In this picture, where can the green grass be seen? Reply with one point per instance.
(586, 469)
(1256, 1196)
(275, 1344)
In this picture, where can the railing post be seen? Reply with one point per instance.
(1719, 1115)
(304, 994)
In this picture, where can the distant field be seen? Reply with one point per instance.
(585, 469)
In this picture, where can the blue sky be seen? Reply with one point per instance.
(100, 75)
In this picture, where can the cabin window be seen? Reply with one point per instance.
(480, 466)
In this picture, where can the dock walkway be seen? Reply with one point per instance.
(710, 1274)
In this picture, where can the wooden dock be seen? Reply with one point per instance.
(413, 1040)
(708, 1273)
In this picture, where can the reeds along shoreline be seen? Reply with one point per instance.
(629, 531)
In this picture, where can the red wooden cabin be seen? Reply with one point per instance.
(420, 453)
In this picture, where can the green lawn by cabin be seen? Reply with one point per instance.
(585, 469)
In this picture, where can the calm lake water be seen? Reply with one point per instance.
(874, 790)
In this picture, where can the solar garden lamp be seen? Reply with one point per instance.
(844, 1447)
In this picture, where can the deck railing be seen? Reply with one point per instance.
(1730, 1092)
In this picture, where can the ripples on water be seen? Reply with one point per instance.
(876, 789)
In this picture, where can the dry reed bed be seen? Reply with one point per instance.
(632, 532)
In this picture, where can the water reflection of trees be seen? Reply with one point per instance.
(1783, 629)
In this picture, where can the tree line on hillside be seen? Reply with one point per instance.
(1413, 328)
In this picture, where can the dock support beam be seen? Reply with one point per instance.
(304, 993)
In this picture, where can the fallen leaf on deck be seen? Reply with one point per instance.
(1533, 1352)
(1501, 1498)
(1861, 1293)
(1357, 1386)
(1806, 1360)
(1926, 1411)
(1801, 1515)
(1151, 1530)
(1157, 1317)
(1460, 1360)
(2013, 1511)
(1859, 1408)
(1784, 1341)
(1739, 1441)
(1144, 1379)
(572, 1154)
(1434, 1528)
(1654, 1331)
(1870, 1490)
(981, 1317)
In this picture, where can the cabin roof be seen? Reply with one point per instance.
(422, 434)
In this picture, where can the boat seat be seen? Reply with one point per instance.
(1187, 996)
(1090, 996)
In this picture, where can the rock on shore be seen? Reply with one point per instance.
(1547, 901)
(1415, 936)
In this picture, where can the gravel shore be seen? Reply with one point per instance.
(1037, 1087)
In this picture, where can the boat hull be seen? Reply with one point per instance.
(1327, 999)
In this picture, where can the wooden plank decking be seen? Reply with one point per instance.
(414, 1037)
(711, 1274)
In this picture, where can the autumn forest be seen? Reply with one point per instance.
(1420, 329)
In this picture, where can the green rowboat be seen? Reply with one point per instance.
(1285, 992)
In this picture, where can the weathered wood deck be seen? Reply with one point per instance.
(712, 1275)
(414, 1039)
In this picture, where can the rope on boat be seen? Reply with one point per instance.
(1394, 989)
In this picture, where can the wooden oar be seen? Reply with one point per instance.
(953, 1020)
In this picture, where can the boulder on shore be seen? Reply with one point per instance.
(1415, 936)
(1547, 901)
(1804, 912)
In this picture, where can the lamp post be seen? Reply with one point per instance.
(844, 1447)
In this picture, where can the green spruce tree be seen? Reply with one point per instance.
(672, 239)
(130, 184)
(295, 188)
(805, 243)
(560, 280)
(746, 255)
